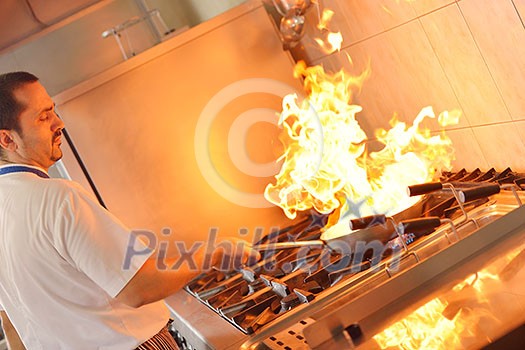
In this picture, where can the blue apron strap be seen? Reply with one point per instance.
(22, 168)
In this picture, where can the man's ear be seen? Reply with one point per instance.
(6, 140)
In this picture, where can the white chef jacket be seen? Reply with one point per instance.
(61, 264)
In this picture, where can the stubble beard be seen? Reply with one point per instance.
(56, 154)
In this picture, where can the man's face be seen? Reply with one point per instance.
(38, 142)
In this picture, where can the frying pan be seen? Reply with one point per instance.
(349, 236)
(375, 231)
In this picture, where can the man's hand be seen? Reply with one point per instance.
(13, 340)
(232, 254)
(152, 284)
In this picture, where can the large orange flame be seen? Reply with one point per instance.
(452, 321)
(403, 335)
(326, 164)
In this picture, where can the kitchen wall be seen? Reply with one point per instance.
(191, 12)
(183, 137)
(71, 48)
(465, 54)
(20, 19)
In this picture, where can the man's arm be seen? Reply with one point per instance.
(152, 283)
(13, 340)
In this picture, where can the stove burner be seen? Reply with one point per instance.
(256, 295)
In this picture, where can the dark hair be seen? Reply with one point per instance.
(10, 108)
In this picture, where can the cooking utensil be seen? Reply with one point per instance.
(375, 231)
(358, 235)
(355, 224)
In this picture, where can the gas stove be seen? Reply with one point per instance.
(317, 296)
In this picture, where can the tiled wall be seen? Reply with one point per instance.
(465, 54)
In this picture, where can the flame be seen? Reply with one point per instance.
(326, 17)
(326, 164)
(325, 156)
(402, 335)
(449, 118)
(334, 40)
(429, 328)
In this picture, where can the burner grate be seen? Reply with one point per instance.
(286, 280)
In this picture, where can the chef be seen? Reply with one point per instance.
(63, 281)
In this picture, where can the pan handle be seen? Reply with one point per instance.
(417, 190)
(288, 245)
(419, 225)
(478, 192)
(367, 221)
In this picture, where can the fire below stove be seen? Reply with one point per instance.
(317, 296)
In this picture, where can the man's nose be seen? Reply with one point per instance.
(58, 123)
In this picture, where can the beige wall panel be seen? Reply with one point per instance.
(520, 126)
(425, 6)
(19, 23)
(136, 132)
(8, 63)
(72, 50)
(52, 11)
(500, 36)
(356, 20)
(467, 150)
(393, 12)
(205, 9)
(405, 77)
(520, 6)
(69, 55)
(464, 66)
(73, 167)
(502, 146)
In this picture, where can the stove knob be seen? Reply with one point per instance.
(248, 274)
(280, 288)
(304, 296)
(290, 301)
(221, 276)
(244, 289)
(313, 287)
(267, 280)
(354, 332)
